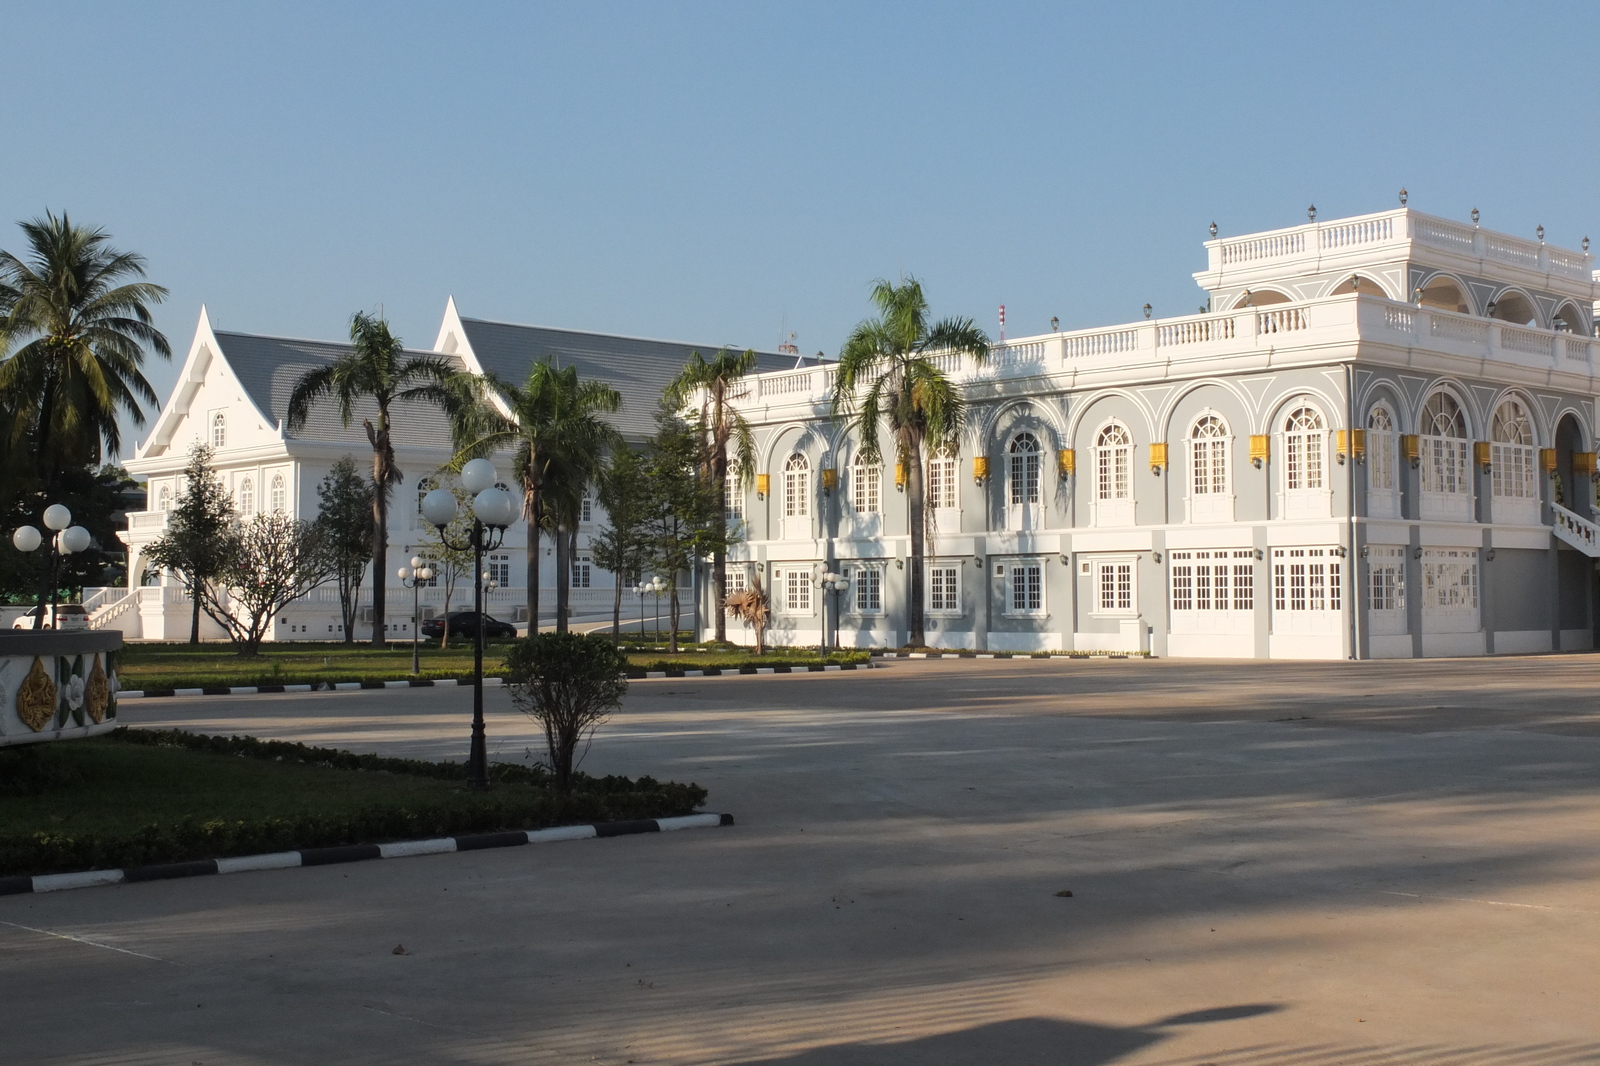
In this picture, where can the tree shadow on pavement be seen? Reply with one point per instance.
(1045, 1041)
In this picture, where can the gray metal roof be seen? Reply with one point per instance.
(639, 369)
(269, 367)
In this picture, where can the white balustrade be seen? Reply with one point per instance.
(1400, 318)
(1255, 249)
(1575, 348)
(1576, 530)
(1357, 233)
(1443, 233)
(1194, 331)
(1511, 250)
(148, 519)
(786, 383)
(1284, 320)
(1460, 328)
(1526, 340)
(1103, 342)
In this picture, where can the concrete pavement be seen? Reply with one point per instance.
(1269, 863)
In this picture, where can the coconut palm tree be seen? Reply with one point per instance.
(553, 424)
(77, 325)
(378, 369)
(887, 373)
(721, 428)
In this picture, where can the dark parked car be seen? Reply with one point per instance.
(465, 624)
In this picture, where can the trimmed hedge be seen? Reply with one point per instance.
(528, 802)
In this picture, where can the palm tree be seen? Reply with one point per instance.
(890, 362)
(719, 425)
(378, 368)
(559, 440)
(80, 328)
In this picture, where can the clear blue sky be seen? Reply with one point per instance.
(712, 172)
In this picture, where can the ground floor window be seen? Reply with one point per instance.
(1214, 580)
(1114, 586)
(1306, 579)
(1450, 579)
(738, 581)
(1387, 591)
(867, 582)
(1027, 588)
(944, 593)
(796, 591)
(498, 567)
(582, 573)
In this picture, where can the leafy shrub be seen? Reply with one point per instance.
(569, 683)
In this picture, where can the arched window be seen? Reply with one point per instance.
(1569, 318)
(796, 487)
(247, 498)
(164, 498)
(219, 430)
(1208, 454)
(1511, 453)
(424, 486)
(1024, 469)
(1113, 463)
(1304, 444)
(1443, 446)
(280, 493)
(866, 484)
(1380, 449)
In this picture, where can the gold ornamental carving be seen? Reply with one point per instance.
(36, 697)
(97, 692)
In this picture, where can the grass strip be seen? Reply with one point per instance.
(139, 797)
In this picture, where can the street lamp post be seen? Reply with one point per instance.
(657, 585)
(493, 509)
(68, 540)
(413, 577)
(829, 581)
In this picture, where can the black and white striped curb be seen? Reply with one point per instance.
(405, 849)
(466, 682)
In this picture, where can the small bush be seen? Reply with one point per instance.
(569, 683)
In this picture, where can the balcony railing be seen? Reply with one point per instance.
(1396, 227)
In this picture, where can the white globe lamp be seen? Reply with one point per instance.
(27, 539)
(477, 475)
(75, 539)
(57, 517)
(439, 507)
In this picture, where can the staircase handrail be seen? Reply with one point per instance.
(1576, 530)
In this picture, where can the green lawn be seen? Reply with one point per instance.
(135, 797)
(162, 666)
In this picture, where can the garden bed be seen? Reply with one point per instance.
(138, 797)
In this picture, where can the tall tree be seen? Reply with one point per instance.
(378, 369)
(887, 372)
(344, 520)
(559, 441)
(270, 561)
(197, 539)
(76, 323)
(624, 491)
(722, 430)
(683, 526)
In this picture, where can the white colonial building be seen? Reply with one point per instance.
(1379, 443)
(233, 393)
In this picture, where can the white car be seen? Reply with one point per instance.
(68, 616)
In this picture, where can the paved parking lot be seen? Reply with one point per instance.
(1269, 863)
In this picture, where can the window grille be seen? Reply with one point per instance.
(733, 497)
(1213, 580)
(1115, 586)
(586, 509)
(581, 573)
(498, 567)
(1306, 579)
(1380, 449)
(1025, 469)
(1450, 579)
(797, 487)
(797, 591)
(1113, 462)
(1208, 446)
(280, 493)
(247, 498)
(865, 485)
(868, 584)
(1443, 446)
(1027, 587)
(738, 580)
(943, 594)
(219, 430)
(1511, 453)
(1304, 445)
(164, 498)
(1387, 589)
(942, 483)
